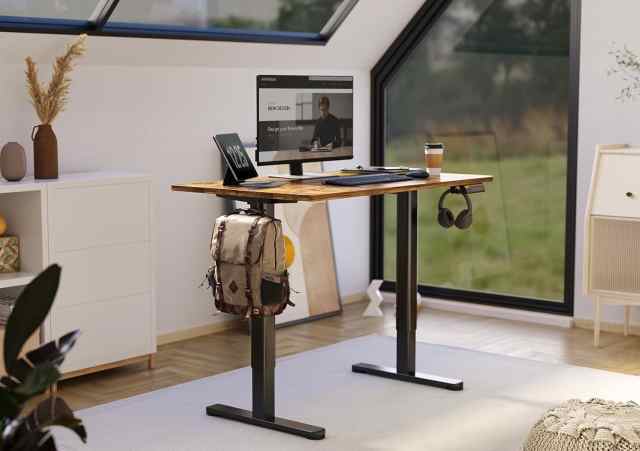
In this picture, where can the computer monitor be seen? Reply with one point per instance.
(304, 119)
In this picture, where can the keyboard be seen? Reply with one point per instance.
(367, 179)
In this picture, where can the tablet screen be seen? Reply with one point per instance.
(236, 156)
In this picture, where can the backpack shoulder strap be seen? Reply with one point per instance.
(247, 260)
(216, 256)
(275, 244)
(222, 226)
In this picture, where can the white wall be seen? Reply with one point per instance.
(603, 118)
(153, 105)
(160, 120)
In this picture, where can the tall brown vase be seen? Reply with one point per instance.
(45, 152)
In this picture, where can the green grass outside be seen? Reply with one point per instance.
(516, 245)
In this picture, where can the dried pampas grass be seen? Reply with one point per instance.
(50, 100)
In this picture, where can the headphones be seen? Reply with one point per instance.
(445, 216)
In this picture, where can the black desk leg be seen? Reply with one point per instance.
(263, 364)
(407, 303)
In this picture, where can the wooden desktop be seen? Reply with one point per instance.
(314, 190)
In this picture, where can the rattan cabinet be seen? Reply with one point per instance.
(612, 234)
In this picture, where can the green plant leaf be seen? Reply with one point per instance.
(55, 351)
(30, 440)
(55, 412)
(32, 432)
(30, 310)
(38, 380)
(49, 444)
(9, 405)
(20, 370)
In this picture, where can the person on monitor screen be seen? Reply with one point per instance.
(327, 131)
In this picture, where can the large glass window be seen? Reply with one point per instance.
(490, 80)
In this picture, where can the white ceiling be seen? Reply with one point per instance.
(358, 44)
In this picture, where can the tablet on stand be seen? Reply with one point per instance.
(240, 169)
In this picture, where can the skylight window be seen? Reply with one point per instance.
(48, 9)
(286, 21)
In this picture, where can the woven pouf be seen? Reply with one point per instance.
(594, 425)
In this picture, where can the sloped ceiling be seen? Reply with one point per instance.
(358, 44)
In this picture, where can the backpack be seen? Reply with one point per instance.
(248, 275)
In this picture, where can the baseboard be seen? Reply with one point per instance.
(489, 311)
(194, 332)
(229, 324)
(354, 298)
(617, 328)
(109, 366)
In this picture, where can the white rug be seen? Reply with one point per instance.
(502, 399)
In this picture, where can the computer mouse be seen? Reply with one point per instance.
(418, 174)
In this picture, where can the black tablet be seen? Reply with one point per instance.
(236, 156)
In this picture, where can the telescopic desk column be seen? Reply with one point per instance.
(407, 303)
(263, 365)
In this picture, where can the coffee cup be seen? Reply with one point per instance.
(433, 156)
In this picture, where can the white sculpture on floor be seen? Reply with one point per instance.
(376, 298)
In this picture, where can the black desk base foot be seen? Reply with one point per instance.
(279, 424)
(417, 378)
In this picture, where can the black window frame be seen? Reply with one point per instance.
(101, 26)
(417, 29)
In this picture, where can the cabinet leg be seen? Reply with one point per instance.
(596, 323)
(151, 362)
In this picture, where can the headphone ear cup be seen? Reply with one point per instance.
(445, 218)
(464, 219)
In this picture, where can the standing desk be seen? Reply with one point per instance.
(263, 355)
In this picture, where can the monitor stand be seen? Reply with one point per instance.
(296, 173)
(296, 168)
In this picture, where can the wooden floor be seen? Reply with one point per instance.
(200, 357)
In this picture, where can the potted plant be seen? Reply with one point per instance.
(48, 102)
(31, 376)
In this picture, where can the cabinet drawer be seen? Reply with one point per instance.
(110, 331)
(102, 273)
(617, 176)
(90, 216)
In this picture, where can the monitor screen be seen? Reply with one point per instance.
(304, 118)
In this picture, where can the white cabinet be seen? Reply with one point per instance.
(612, 232)
(112, 331)
(616, 190)
(97, 214)
(97, 227)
